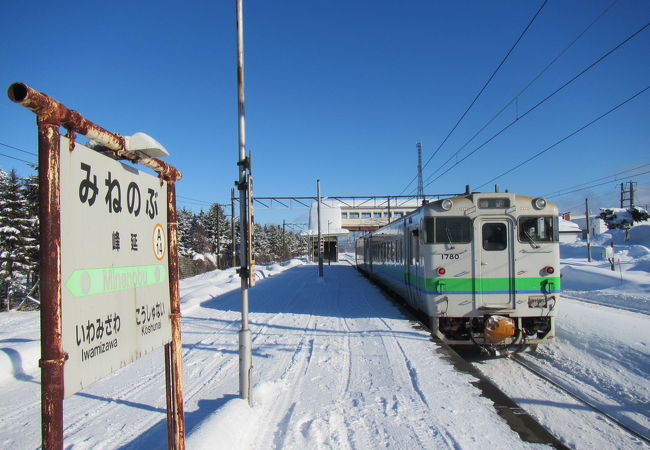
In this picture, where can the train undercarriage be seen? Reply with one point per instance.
(494, 333)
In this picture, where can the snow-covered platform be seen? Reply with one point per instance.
(336, 365)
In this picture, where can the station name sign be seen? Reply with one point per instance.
(114, 266)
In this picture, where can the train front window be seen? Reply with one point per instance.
(447, 230)
(495, 236)
(538, 229)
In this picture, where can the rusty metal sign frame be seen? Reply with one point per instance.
(51, 115)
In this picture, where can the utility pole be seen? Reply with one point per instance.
(218, 235)
(245, 341)
(320, 238)
(588, 230)
(628, 195)
(284, 246)
(389, 216)
(420, 182)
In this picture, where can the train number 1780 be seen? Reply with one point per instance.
(450, 256)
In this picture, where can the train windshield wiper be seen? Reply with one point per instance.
(530, 238)
(449, 237)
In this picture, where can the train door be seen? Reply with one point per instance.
(494, 283)
(412, 265)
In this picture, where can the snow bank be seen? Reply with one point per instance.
(588, 278)
(234, 425)
(639, 234)
(206, 286)
(20, 346)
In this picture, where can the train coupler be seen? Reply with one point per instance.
(498, 328)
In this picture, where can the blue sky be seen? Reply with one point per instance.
(342, 90)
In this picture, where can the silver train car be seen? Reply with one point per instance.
(484, 268)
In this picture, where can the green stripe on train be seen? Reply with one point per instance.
(541, 284)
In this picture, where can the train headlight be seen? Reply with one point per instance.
(539, 203)
(446, 204)
(549, 270)
(441, 271)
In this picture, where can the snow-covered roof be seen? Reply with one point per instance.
(566, 226)
(330, 220)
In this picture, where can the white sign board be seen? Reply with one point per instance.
(114, 270)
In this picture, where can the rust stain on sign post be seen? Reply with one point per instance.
(52, 356)
(51, 115)
(174, 350)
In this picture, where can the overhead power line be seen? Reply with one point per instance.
(607, 177)
(564, 85)
(17, 149)
(29, 163)
(538, 154)
(480, 92)
(530, 83)
(194, 200)
(599, 184)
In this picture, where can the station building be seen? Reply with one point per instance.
(367, 216)
(339, 218)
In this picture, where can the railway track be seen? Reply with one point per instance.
(505, 405)
(518, 419)
(526, 365)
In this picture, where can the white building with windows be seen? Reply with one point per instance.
(372, 214)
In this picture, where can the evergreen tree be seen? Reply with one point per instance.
(624, 219)
(296, 245)
(218, 229)
(260, 245)
(15, 240)
(274, 233)
(31, 196)
(185, 219)
(199, 235)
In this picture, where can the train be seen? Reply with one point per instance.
(482, 268)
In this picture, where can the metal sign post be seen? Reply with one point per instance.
(52, 356)
(233, 256)
(250, 237)
(587, 218)
(102, 309)
(320, 237)
(245, 340)
(174, 349)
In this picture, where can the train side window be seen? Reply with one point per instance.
(495, 236)
(538, 229)
(452, 230)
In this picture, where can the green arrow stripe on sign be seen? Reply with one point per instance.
(85, 282)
